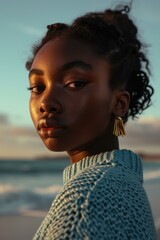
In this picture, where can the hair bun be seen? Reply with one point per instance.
(124, 9)
(56, 26)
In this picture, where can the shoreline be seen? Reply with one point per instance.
(17, 227)
(21, 225)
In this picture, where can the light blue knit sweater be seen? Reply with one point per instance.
(102, 199)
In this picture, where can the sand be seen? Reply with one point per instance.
(18, 227)
(23, 227)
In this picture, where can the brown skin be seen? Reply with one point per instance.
(73, 102)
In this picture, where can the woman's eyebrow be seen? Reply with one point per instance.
(65, 67)
(35, 71)
(77, 63)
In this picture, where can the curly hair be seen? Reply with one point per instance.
(113, 35)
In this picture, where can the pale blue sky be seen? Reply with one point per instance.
(24, 22)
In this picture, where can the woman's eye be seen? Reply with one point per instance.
(76, 85)
(36, 89)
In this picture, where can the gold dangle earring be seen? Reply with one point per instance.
(118, 129)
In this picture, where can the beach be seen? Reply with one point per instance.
(18, 227)
(24, 227)
(28, 188)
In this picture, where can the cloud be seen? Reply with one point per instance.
(23, 141)
(16, 131)
(143, 135)
(4, 119)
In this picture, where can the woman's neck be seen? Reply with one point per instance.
(101, 144)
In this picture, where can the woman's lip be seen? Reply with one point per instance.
(49, 128)
(51, 131)
(47, 124)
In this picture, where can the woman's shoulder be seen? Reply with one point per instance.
(114, 176)
(112, 193)
(107, 198)
(119, 166)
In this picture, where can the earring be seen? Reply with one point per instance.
(119, 127)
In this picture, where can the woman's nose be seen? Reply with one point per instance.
(50, 104)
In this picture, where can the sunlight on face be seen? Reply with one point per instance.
(70, 100)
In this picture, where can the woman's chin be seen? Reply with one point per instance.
(54, 145)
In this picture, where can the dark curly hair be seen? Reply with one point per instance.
(114, 35)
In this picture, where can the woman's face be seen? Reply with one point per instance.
(71, 102)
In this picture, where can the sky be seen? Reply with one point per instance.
(23, 23)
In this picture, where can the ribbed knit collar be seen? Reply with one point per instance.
(124, 157)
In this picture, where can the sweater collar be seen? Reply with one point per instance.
(124, 157)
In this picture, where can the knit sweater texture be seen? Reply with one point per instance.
(102, 199)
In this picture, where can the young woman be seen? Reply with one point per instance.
(86, 80)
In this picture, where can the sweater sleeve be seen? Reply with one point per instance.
(102, 207)
(117, 208)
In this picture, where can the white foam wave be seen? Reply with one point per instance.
(48, 190)
(152, 175)
(6, 188)
(33, 213)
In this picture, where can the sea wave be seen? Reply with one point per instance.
(34, 166)
(15, 201)
(33, 213)
(6, 188)
(48, 190)
(151, 175)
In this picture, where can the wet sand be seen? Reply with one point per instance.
(18, 227)
(24, 227)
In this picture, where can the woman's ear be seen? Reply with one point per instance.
(121, 103)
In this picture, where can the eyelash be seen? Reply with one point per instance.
(40, 89)
(36, 87)
(82, 84)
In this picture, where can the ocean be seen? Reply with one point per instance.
(30, 186)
